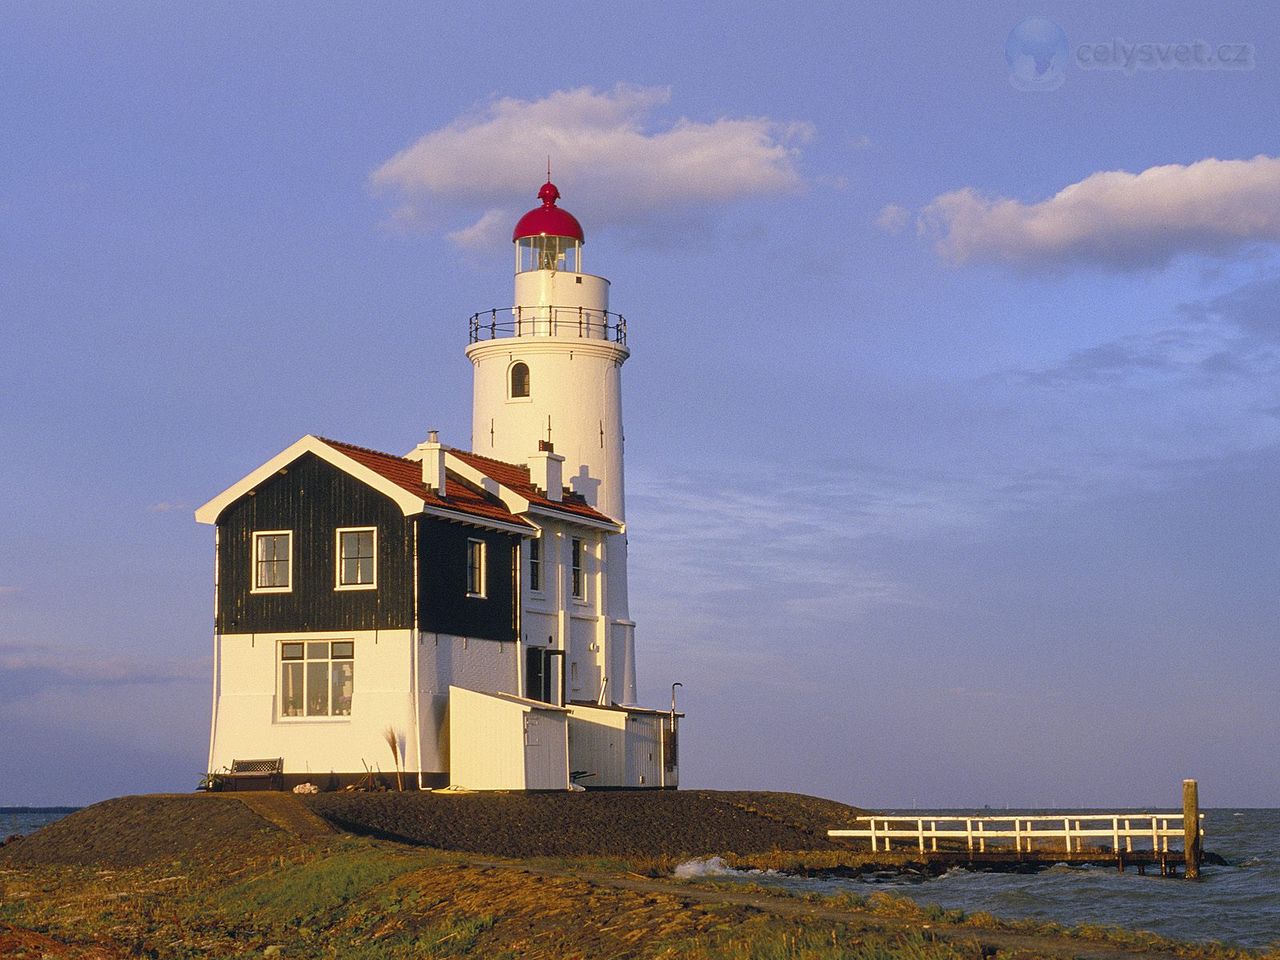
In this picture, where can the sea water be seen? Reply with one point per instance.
(24, 820)
(1238, 903)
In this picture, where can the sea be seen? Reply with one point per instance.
(1237, 903)
(20, 821)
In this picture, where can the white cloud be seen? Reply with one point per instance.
(167, 506)
(52, 665)
(609, 154)
(893, 218)
(9, 590)
(1116, 219)
(486, 233)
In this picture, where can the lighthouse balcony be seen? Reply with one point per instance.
(549, 321)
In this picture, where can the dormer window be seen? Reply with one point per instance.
(519, 380)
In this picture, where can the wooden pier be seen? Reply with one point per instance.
(1021, 841)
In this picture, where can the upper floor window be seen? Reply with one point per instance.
(579, 581)
(357, 558)
(272, 561)
(535, 564)
(475, 568)
(519, 380)
(316, 678)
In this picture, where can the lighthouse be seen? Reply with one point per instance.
(472, 601)
(547, 372)
(547, 391)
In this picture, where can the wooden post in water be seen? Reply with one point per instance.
(1191, 828)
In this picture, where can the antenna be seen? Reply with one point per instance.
(548, 168)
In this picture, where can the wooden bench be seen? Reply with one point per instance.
(270, 770)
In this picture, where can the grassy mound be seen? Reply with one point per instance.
(134, 831)
(621, 824)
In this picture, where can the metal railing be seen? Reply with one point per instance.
(548, 322)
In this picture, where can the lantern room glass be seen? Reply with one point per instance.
(544, 252)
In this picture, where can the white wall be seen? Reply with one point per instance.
(597, 744)
(444, 661)
(492, 748)
(644, 750)
(247, 724)
(578, 384)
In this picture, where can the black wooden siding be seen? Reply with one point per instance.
(442, 575)
(313, 499)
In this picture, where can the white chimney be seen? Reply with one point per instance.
(546, 471)
(432, 454)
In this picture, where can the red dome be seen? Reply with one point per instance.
(548, 219)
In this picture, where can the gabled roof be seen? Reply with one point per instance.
(459, 495)
(515, 478)
(397, 478)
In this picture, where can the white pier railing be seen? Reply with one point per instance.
(1018, 833)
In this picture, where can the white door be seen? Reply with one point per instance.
(643, 753)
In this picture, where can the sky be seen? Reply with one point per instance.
(952, 415)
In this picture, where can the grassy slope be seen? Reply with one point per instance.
(214, 879)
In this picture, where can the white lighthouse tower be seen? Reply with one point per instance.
(548, 392)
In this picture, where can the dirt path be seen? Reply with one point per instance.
(1014, 942)
(286, 811)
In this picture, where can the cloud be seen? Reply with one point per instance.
(1115, 219)
(1254, 309)
(8, 590)
(1231, 335)
(486, 233)
(893, 218)
(167, 506)
(607, 150)
(28, 668)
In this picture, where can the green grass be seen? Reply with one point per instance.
(306, 892)
(455, 937)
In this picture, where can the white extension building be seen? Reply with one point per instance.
(470, 605)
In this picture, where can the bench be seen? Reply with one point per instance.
(270, 770)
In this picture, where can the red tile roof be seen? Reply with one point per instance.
(459, 495)
(516, 477)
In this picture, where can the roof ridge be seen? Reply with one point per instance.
(356, 446)
(567, 491)
(481, 456)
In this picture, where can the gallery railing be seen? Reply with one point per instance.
(548, 322)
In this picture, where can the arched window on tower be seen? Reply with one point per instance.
(519, 380)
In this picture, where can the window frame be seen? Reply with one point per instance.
(305, 661)
(254, 538)
(337, 550)
(527, 396)
(536, 579)
(481, 568)
(577, 569)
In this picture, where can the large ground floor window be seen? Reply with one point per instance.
(316, 678)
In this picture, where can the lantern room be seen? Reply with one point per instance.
(547, 237)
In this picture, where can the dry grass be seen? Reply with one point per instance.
(211, 879)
